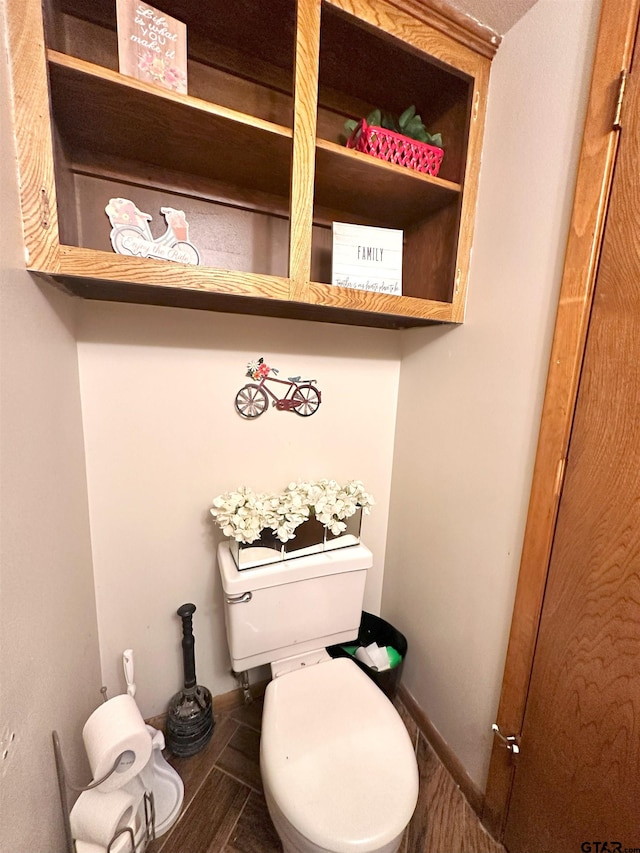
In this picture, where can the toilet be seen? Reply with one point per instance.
(338, 768)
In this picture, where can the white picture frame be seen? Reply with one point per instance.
(367, 258)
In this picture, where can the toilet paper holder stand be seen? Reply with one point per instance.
(64, 784)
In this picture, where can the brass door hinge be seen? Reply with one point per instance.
(476, 106)
(617, 124)
(560, 472)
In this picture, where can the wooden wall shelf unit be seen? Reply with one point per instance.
(252, 154)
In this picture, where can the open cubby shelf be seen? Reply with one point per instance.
(254, 154)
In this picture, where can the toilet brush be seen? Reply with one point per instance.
(190, 712)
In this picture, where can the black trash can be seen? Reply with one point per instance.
(373, 629)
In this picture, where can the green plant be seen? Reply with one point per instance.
(408, 124)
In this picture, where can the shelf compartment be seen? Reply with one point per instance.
(386, 193)
(226, 236)
(363, 67)
(429, 255)
(230, 172)
(91, 274)
(222, 73)
(372, 55)
(101, 110)
(426, 209)
(245, 36)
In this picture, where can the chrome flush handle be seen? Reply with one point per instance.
(239, 599)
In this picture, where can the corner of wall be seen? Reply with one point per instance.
(49, 665)
(470, 398)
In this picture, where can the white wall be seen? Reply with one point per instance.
(465, 443)
(163, 439)
(49, 669)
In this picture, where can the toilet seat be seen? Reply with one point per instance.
(336, 758)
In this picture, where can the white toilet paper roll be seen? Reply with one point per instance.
(122, 845)
(96, 817)
(89, 847)
(116, 729)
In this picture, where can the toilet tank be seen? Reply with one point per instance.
(297, 606)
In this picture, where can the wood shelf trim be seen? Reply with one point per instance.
(302, 169)
(91, 70)
(34, 144)
(380, 303)
(386, 191)
(89, 264)
(420, 33)
(375, 163)
(444, 17)
(470, 193)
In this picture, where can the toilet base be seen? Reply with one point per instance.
(294, 842)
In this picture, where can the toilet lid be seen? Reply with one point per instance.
(336, 757)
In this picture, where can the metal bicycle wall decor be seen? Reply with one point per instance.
(296, 394)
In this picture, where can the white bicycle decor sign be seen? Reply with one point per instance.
(131, 235)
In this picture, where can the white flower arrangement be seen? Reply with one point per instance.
(244, 514)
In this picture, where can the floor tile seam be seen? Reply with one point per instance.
(485, 832)
(212, 767)
(169, 833)
(470, 816)
(183, 815)
(468, 826)
(249, 791)
(245, 724)
(239, 779)
(248, 726)
(245, 790)
(164, 842)
(473, 823)
(470, 820)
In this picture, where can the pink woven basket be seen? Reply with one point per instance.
(395, 148)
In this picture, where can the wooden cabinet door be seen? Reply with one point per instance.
(577, 778)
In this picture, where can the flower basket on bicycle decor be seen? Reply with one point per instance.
(396, 148)
(294, 394)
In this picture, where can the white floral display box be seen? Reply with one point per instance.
(307, 518)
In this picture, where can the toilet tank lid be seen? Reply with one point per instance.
(234, 582)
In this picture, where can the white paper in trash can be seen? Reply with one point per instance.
(364, 657)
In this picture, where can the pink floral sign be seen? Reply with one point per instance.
(152, 46)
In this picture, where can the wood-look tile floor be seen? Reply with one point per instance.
(224, 810)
